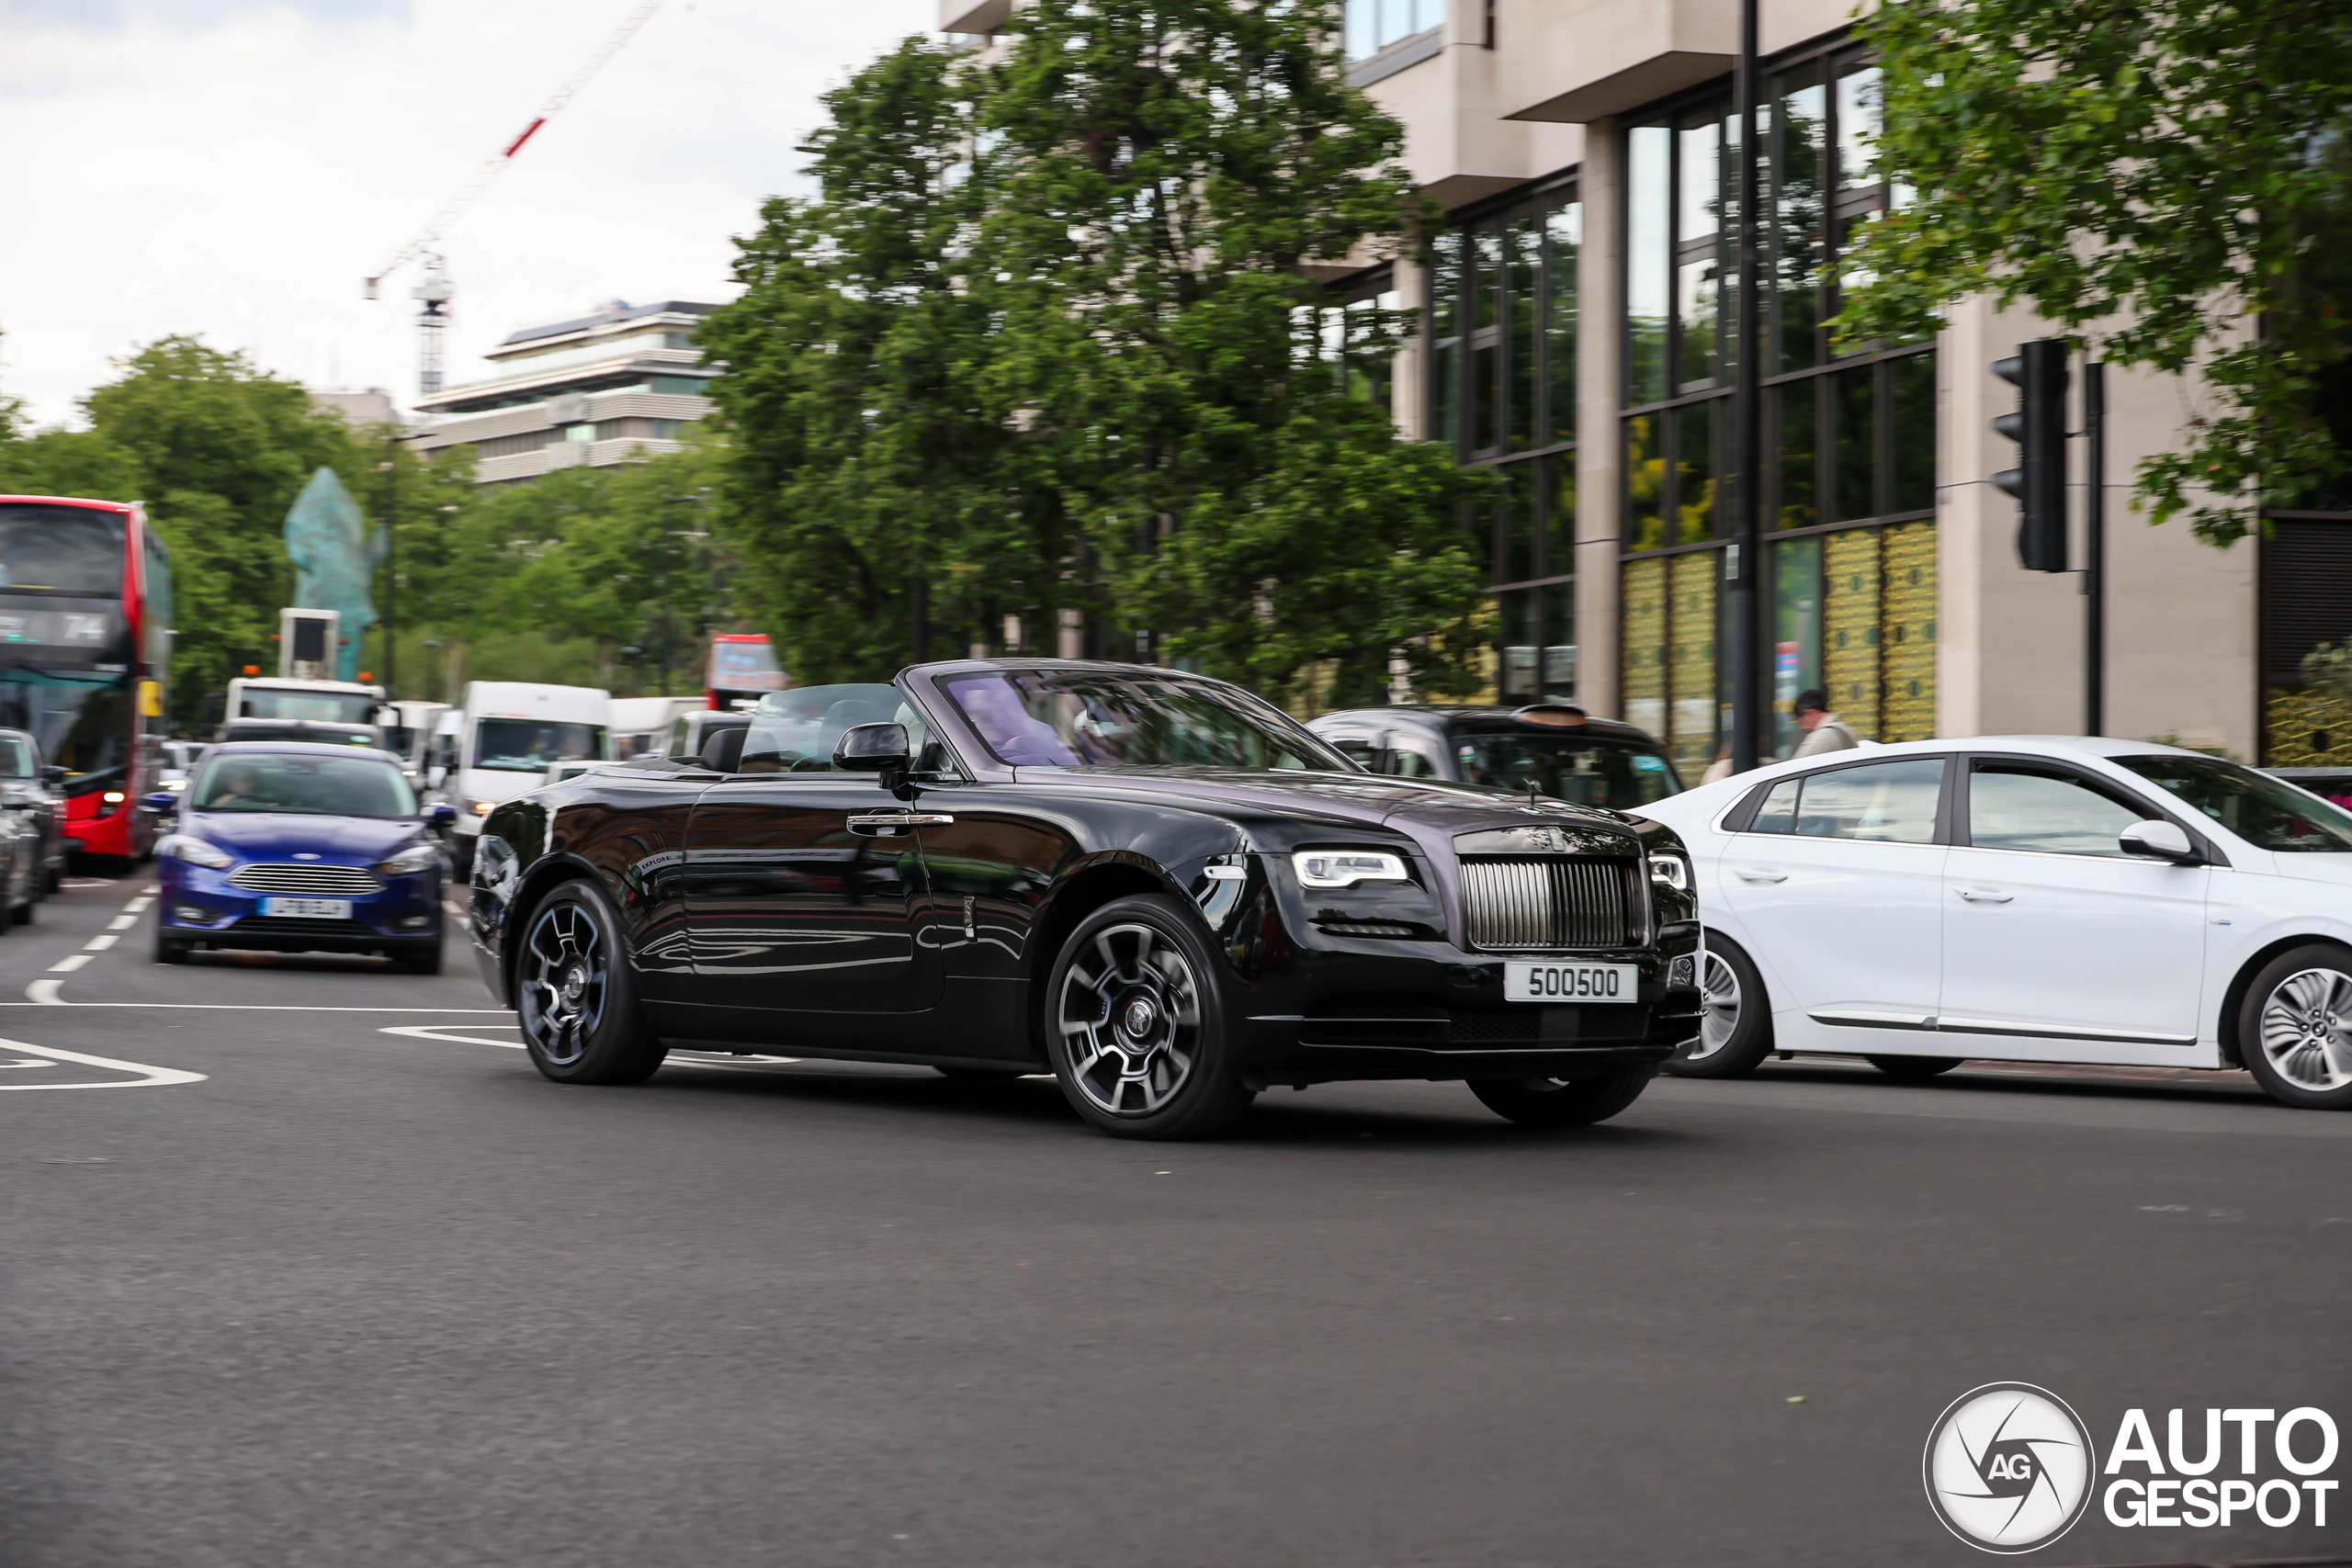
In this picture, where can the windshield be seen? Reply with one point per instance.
(1040, 719)
(82, 725)
(304, 786)
(2265, 812)
(1588, 770)
(328, 707)
(793, 731)
(528, 744)
(71, 550)
(16, 758)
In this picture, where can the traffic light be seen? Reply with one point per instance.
(2039, 427)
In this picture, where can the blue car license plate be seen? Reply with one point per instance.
(307, 908)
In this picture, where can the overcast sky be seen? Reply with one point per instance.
(234, 168)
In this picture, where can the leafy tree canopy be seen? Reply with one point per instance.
(2167, 178)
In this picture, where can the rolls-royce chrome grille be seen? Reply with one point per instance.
(306, 881)
(1550, 901)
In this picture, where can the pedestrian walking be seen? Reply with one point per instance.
(1824, 731)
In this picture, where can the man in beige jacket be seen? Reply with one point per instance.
(1823, 731)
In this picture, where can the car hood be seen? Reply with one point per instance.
(265, 833)
(1429, 810)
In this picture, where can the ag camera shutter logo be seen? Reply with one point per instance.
(2009, 1467)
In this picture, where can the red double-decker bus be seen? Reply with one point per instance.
(85, 647)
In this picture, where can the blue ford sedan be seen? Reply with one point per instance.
(286, 847)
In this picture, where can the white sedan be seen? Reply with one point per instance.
(2037, 898)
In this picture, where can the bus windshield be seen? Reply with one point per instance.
(282, 701)
(74, 550)
(82, 726)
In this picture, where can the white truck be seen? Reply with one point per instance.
(505, 734)
(642, 724)
(281, 696)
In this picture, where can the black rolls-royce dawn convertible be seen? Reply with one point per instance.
(1154, 885)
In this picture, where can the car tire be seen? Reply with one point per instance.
(2295, 1027)
(1734, 1016)
(1562, 1103)
(1912, 1069)
(22, 915)
(1137, 1026)
(575, 993)
(424, 959)
(56, 880)
(169, 949)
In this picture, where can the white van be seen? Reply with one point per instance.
(335, 701)
(642, 724)
(505, 735)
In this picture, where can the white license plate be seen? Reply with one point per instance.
(308, 909)
(1571, 982)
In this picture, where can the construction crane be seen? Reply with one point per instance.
(434, 290)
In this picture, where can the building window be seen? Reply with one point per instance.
(1338, 334)
(1502, 392)
(1374, 25)
(1849, 479)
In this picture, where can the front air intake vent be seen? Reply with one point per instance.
(1522, 902)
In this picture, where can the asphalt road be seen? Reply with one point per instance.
(370, 1292)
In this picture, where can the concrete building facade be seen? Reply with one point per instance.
(611, 388)
(1575, 333)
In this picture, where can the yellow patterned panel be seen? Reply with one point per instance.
(1690, 665)
(1849, 626)
(1907, 636)
(1642, 663)
(2307, 730)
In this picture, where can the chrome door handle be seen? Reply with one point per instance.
(1974, 896)
(890, 823)
(1763, 875)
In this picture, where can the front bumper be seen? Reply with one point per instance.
(204, 908)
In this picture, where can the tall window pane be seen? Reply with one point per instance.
(1701, 181)
(1525, 243)
(1515, 642)
(1698, 301)
(1363, 28)
(1648, 162)
(1558, 676)
(1694, 472)
(1515, 517)
(1849, 626)
(1858, 125)
(1487, 252)
(1486, 398)
(1796, 456)
(1912, 408)
(1645, 481)
(1560, 516)
(1796, 633)
(1642, 663)
(1854, 410)
(1564, 236)
(1445, 336)
(1692, 720)
(1797, 213)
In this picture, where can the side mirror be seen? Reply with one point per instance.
(441, 815)
(2159, 840)
(722, 751)
(53, 776)
(872, 749)
(163, 800)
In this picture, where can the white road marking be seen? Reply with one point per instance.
(137, 907)
(101, 942)
(123, 922)
(26, 1062)
(44, 992)
(149, 1078)
(71, 962)
(84, 882)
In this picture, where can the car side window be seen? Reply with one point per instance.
(2014, 806)
(1891, 803)
(1407, 763)
(1357, 750)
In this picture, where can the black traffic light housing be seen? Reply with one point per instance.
(2039, 427)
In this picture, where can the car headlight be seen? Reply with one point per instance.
(1670, 871)
(195, 850)
(482, 807)
(410, 861)
(1345, 868)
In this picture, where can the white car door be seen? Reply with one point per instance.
(2056, 942)
(1837, 880)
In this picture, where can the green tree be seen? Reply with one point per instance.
(2168, 179)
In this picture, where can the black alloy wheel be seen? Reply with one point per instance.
(1734, 1016)
(1563, 1102)
(576, 992)
(1914, 1068)
(2295, 1027)
(1136, 1023)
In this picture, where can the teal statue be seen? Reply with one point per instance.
(334, 562)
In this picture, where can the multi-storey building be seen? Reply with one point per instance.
(1576, 329)
(611, 388)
